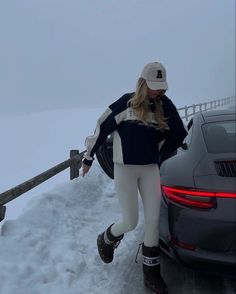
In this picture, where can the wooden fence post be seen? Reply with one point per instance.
(74, 168)
(2, 212)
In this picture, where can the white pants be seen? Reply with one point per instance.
(129, 179)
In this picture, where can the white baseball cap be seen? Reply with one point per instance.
(154, 74)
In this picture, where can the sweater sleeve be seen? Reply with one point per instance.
(176, 134)
(106, 124)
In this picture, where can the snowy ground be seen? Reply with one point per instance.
(51, 247)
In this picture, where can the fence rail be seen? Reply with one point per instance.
(197, 108)
(75, 160)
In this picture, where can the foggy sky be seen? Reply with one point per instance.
(87, 53)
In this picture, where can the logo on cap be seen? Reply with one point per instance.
(159, 74)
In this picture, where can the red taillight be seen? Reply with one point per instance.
(194, 198)
(225, 195)
(181, 244)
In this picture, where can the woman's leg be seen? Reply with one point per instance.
(150, 191)
(125, 178)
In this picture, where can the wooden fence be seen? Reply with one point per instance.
(75, 160)
(74, 163)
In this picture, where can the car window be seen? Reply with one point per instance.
(220, 137)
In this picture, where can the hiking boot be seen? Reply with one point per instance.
(106, 244)
(152, 271)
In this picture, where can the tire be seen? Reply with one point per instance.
(104, 156)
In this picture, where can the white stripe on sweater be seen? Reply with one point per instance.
(91, 140)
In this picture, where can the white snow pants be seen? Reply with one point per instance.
(129, 179)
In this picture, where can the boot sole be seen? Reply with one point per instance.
(157, 291)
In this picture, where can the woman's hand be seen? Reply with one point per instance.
(85, 169)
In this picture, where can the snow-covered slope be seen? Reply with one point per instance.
(51, 248)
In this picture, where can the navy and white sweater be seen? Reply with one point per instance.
(133, 141)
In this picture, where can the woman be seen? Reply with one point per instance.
(139, 122)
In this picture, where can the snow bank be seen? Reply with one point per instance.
(51, 247)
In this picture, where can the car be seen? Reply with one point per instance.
(198, 210)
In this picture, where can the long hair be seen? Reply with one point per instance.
(140, 104)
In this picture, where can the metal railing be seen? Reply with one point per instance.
(197, 108)
(75, 160)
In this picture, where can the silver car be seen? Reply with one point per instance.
(198, 213)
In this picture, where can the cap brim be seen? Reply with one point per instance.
(157, 85)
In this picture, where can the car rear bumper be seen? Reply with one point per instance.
(216, 263)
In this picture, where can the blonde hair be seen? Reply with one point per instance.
(140, 104)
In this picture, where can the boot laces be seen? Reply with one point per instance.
(116, 244)
(136, 257)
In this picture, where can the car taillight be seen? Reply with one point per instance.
(181, 244)
(194, 198)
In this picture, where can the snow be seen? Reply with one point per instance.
(51, 248)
